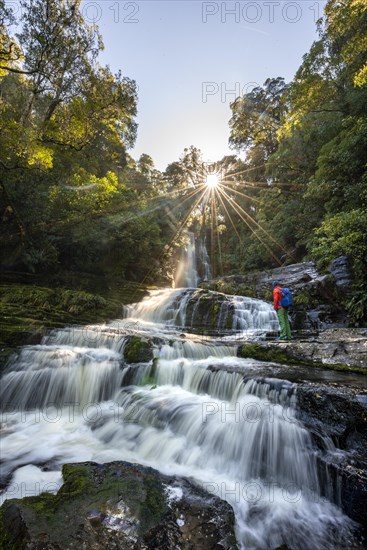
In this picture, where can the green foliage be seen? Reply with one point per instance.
(302, 299)
(339, 183)
(26, 310)
(72, 197)
(306, 160)
(64, 127)
(342, 234)
(47, 299)
(357, 306)
(345, 234)
(265, 294)
(257, 115)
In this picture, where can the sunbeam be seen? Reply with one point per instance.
(256, 223)
(239, 193)
(236, 209)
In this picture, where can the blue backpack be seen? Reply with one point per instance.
(287, 298)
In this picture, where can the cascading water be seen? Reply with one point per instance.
(196, 410)
(194, 265)
(195, 308)
(205, 270)
(186, 275)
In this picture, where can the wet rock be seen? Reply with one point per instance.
(295, 276)
(138, 350)
(336, 414)
(335, 348)
(321, 318)
(340, 270)
(118, 505)
(317, 296)
(204, 308)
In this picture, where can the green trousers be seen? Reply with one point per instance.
(285, 328)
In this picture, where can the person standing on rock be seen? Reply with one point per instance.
(282, 313)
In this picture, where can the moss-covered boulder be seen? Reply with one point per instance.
(118, 505)
(138, 350)
(31, 305)
(208, 312)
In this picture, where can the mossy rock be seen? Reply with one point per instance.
(302, 299)
(202, 309)
(272, 353)
(27, 311)
(138, 350)
(231, 287)
(117, 505)
(91, 495)
(262, 353)
(264, 294)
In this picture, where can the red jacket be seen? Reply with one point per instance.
(277, 295)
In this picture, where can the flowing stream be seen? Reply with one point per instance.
(196, 411)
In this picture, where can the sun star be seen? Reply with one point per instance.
(212, 181)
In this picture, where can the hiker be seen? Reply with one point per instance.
(282, 311)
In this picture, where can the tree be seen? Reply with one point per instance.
(256, 118)
(64, 117)
(346, 24)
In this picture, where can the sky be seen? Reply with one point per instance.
(191, 59)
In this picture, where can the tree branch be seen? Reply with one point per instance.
(17, 71)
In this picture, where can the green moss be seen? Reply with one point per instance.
(87, 487)
(261, 353)
(5, 541)
(302, 299)
(265, 294)
(276, 355)
(154, 505)
(76, 481)
(28, 309)
(31, 304)
(46, 299)
(246, 290)
(138, 350)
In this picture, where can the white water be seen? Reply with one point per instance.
(73, 399)
(204, 261)
(186, 275)
(194, 265)
(170, 307)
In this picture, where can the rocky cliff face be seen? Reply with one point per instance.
(339, 413)
(317, 296)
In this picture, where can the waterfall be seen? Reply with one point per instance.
(182, 308)
(204, 261)
(194, 265)
(186, 275)
(196, 410)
